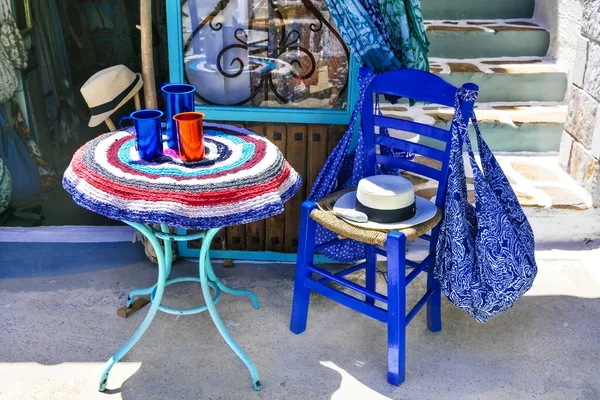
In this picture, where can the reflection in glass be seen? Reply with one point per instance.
(264, 53)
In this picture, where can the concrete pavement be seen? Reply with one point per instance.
(57, 331)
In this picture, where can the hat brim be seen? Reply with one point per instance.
(96, 120)
(425, 211)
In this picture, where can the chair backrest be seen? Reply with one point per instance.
(416, 85)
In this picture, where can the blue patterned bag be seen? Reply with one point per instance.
(485, 253)
(336, 175)
(343, 169)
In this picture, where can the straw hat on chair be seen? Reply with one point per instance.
(107, 90)
(384, 202)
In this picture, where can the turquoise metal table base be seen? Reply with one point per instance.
(206, 278)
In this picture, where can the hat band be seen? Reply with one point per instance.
(387, 216)
(111, 105)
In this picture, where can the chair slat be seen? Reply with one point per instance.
(411, 126)
(409, 166)
(345, 272)
(414, 84)
(381, 252)
(418, 306)
(357, 305)
(349, 284)
(409, 146)
(418, 269)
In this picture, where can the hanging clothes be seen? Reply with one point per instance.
(51, 52)
(82, 53)
(5, 186)
(23, 170)
(48, 179)
(406, 30)
(160, 36)
(12, 52)
(122, 43)
(8, 77)
(383, 34)
(10, 37)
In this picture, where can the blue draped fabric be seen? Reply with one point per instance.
(383, 34)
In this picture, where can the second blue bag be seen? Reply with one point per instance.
(485, 257)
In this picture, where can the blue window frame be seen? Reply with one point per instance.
(244, 113)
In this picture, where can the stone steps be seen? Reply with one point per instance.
(506, 79)
(538, 181)
(477, 9)
(506, 127)
(486, 38)
(495, 45)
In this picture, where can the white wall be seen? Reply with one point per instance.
(563, 18)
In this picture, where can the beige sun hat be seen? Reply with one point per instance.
(384, 202)
(107, 90)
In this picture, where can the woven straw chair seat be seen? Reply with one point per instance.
(325, 216)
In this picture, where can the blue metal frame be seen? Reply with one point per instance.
(255, 114)
(207, 279)
(405, 83)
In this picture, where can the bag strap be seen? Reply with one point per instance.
(467, 141)
(491, 172)
(461, 125)
(489, 163)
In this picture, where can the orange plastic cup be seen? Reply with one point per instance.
(190, 135)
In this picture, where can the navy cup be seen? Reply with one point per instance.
(148, 133)
(179, 98)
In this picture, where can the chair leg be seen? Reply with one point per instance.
(371, 272)
(396, 248)
(434, 304)
(306, 250)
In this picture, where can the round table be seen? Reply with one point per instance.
(243, 178)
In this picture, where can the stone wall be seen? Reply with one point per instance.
(563, 19)
(580, 144)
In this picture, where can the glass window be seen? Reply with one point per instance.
(264, 53)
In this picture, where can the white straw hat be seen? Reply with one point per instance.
(384, 202)
(107, 90)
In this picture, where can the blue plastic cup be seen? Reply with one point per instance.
(148, 133)
(179, 98)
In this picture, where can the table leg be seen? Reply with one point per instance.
(168, 249)
(139, 292)
(159, 290)
(168, 262)
(234, 292)
(207, 273)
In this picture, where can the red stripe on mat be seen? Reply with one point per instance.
(194, 199)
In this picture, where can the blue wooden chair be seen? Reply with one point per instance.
(412, 84)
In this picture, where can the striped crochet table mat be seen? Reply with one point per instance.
(243, 178)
